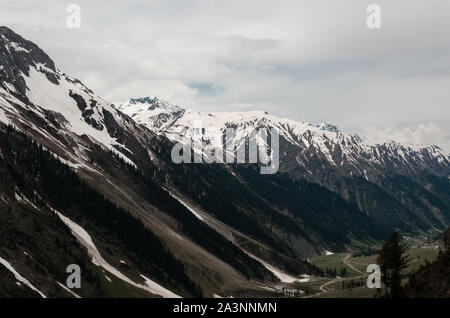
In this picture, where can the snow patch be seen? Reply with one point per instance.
(19, 277)
(45, 94)
(283, 277)
(197, 215)
(68, 290)
(175, 235)
(85, 239)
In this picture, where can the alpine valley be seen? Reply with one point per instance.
(87, 182)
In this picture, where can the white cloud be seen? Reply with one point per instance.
(309, 60)
(422, 134)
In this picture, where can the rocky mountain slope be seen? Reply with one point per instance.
(377, 178)
(308, 149)
(100, 180)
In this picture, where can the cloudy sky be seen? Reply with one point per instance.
(309, 60)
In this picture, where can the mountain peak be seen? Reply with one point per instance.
(149, 104)
(151, 109)
(142, 100)
(17, 56)
(11, 35)
(5, 30)
(328, 127)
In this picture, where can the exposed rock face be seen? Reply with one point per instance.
(314, 152)
(153, 111)
(281, 218)
(17, 55)
(386, 180)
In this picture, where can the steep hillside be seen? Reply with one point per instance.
(400, 185)
(100, 180)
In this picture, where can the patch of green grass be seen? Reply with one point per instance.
(361, 292)
(417, 257)
(310, 288)
(334, 261)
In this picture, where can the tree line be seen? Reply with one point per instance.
(35, 170)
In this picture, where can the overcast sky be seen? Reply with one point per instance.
(307, 60)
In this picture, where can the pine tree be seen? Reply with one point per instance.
(446, 240)
(392, 261)
(432, 279)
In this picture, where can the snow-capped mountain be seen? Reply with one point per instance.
(305, 148)
(119, 163)
(156, 112)
(343, 163)
(224, 224)
(40, 99)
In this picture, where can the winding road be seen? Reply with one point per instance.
(347, 262)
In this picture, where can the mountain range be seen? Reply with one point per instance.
(88, 182)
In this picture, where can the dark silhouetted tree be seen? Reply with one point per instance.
(392, 261)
